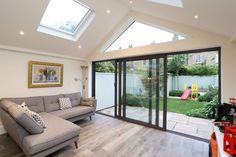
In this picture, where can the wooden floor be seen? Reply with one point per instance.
(109, 137)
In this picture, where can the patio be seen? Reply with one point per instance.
(175, 122)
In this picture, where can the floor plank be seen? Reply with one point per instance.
(108, 137)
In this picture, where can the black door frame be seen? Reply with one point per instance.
(162, 55)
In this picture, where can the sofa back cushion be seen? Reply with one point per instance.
(33, 103)
(74, 98)
(6, 104)
(52, 102)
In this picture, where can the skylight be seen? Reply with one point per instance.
(64, 16)
(175, 3)
(139, 34)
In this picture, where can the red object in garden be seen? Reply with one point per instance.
(232, 101)
(230, 140)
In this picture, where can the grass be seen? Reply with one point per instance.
(182, 106)
(174, 105)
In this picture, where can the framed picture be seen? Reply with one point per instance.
(43, 74)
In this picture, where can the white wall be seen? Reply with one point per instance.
(201, 81)
(197, 39)
(14, 74)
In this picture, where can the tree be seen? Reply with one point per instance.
(108, 67)
(175, 64)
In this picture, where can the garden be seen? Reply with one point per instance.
(204, 107)
(182, 76)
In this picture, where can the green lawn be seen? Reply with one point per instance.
(182, 106)
(173, 105)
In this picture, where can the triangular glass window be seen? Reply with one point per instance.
(139, 34)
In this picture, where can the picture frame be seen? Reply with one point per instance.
(44, 74)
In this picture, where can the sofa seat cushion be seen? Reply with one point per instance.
(73, 112)
(58, 131)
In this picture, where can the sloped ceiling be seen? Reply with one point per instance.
(214, 15)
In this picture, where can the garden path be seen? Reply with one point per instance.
(181, 123)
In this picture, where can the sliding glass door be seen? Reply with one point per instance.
(135, 89)
(141, 91)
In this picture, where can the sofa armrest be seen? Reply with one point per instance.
(92, 102)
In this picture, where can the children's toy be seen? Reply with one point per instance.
(186, 94)
(232, 101)
(194, 91)
(230, 140)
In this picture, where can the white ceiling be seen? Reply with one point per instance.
(214, 15)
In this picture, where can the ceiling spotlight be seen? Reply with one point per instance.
(130, 2)
(196, 16)
(79, 46)
(108, 11)
(22, 32)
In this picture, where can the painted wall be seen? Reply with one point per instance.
(14, 74)
(197, 39)
(201, 81)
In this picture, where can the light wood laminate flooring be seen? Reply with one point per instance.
(108, 137)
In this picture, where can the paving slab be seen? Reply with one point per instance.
(198, 127)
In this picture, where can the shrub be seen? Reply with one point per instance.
(177, 93)
(207, 111)
(200, 70)
(196, 113)
(212, 92)
(134, 100)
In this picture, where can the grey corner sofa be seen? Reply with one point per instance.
(59, 131)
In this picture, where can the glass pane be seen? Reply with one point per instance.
(64, 15)
(105, 76)
(137, 90)
(161, 91)
(149, 35)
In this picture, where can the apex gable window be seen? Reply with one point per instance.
(66, 19)
(139, 34)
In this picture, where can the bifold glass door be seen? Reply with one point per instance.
(140, 91)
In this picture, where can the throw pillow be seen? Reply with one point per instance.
(87, 102)
(65, 103)
(25, 120)
(37, 118)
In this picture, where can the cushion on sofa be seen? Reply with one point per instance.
(88, 101)
(25, 120)
(64, 103)
(73, 112)
(51, 102)
(58, 131)
(37, 118)
(74, 98)
(33, 103)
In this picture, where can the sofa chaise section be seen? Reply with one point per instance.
(57, 133)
